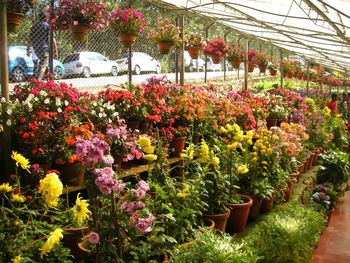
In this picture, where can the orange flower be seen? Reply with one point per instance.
(74, 158)
(70, 141)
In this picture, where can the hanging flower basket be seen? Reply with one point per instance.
(235, 63)
(273, 72)
(262, 68)
(194, 52)
(80, 32)
(251, 67)
(127, 39)
(216, 59)
(13, 22)
(164, 47)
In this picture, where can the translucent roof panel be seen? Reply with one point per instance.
(317, 29)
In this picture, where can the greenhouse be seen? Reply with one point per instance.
(175, 131)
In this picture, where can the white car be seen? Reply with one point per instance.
(89, 63)
(141, 62)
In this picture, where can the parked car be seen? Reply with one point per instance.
(297, 58)
(141, 62)
(22, 66)
(89, 63)
(190, 64)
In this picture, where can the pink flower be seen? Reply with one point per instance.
(93, 238)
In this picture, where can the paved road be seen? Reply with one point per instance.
(95, 84)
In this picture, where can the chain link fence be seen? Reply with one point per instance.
(107, 44)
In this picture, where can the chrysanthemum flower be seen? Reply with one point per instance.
(5, 187)
(18, 198)
(53, 239)
(51, 188)
(80, 210)
(144, 141)
(150, 157)
(21, 160)
(17, 259)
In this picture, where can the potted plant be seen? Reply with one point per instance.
(252, 62)
(272, 67)
(194, 45)
(235, 56)
(15, 10)
(177, 144)
(128, 22)
(80, 16)
(166, 34)
(262, 61)
(216, 49)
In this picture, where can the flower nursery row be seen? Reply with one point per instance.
(241, 151)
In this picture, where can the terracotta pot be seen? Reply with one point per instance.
(251, 67)
(71, 173)
(84, 252)
(194, 52)
(266, 205)
(290, 188)
(216, 59)
(177, 145)
(262, 68)
(273, 72)
(13, 22)
(80, 32)
(239, 215)
(271, 122)
(165, 259)
(209, 223)
(220, 220)
(71, 238)
(255, 209)
(301, 169)
(165, 47)
(127, 39)
(235, 63)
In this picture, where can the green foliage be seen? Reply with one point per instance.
(335, 167)
(287, 235)
(212, 248)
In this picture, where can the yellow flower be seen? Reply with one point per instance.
(188, 152)
(229, 127)
(239, 136)
(242, 169)
(264, 163)
(232, 146)
(18, 198)
(150, 157)
(51, 188)
(223, 130)
(236, 127)
(269, 150)
(338, 116)
(204, 152)
(327, 111)
(53, 239)
(80, 210)
(184, 192)
(254, 159)
(20, 160)
(148, 149)
(5, 187)
(17, 259)
(215, 161)
(144, 141)
(249, 135)
(181, 195)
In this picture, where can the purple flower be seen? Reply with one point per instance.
(140, 192)
(142, 224)
(106, 184)
(131, 207)
(93, 238)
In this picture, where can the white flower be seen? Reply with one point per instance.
(102, 109)
(9, 111)
(93, 112)
(8, 122)
(59, 110)
(66, 102)
(43, 93)
(3, 100)
(94, 104)
(100, 115)
(36, 99)
(47, 101)
(115, 114)
(58, 102)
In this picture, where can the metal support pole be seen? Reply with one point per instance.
(51, 41)
(206, 56)
(246, 46)
(182, 51)
(4, 78)
(307, 77)
(225, 38)
(176, 58)
(130, 67)
(281, 68)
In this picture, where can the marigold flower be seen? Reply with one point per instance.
(21, 160)
(80, 210)
(5, 187)
(150, 157)
(18, 198)
(51, 188)
(54, 238)
(242, 169)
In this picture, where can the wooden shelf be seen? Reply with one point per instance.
(124, 173)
